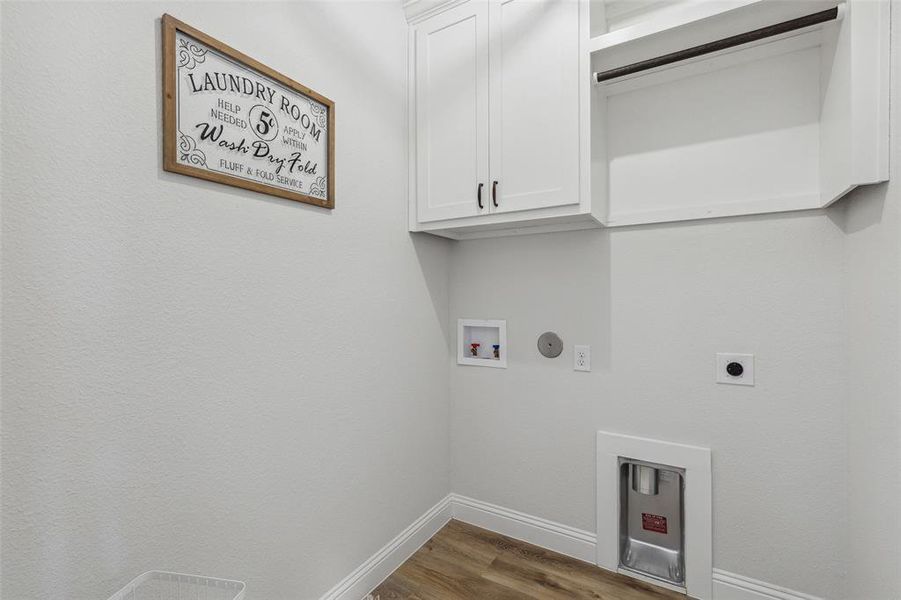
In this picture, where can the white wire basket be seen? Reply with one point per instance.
(162, 585)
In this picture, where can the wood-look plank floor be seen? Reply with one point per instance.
(463, 562)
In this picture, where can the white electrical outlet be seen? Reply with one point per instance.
(582, 358)
(735, 369)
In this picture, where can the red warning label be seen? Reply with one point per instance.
(653, 522)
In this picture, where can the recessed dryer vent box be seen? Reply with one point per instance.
(652, 520)
(482, 343)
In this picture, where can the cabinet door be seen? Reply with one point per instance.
(534, 103)
(451, 71)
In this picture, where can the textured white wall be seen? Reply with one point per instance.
(807, 464)
(655, 304)
(171, 394)
(873, 225)
(196, 377)
(874, 397)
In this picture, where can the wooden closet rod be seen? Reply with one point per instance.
(729, 42)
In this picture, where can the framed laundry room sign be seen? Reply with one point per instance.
(230, 119)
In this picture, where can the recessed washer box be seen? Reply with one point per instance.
(482, 343)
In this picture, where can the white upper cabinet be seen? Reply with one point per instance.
(534, 52)
(499, 126)
(548, 115)
(451, 66)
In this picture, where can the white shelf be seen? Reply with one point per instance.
(694, 23)
(789, 122)
(723, 59)
(675, 17)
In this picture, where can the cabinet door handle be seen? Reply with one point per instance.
(494, 194)
(480, 195)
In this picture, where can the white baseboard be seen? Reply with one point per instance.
(570, 541)
(729, 586)
(384, 562)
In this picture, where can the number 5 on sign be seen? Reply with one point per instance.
(265, 125)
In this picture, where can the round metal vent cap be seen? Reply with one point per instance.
(550, 344)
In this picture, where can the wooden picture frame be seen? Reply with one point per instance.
(292, 170)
